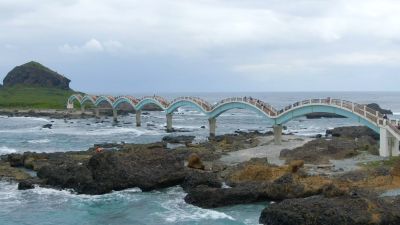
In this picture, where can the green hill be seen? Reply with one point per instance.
(34, 97)
(35, 86)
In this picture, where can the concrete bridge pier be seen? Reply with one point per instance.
(97, 112)
(278, 134)
(213, 126)
(115, 115)
(70, 107)
(82, 108)
(388, 144)
(169, 122)
(138, 118)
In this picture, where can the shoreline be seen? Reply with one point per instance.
(240, 168)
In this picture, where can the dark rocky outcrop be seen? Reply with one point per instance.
(145, 166)
(48, 126)
(210, 197)
(318, 115)
(181, 139)
(376, 107)
(356, 208)
(353, 132)
(35, 74)
(196, 178)
(321, 150)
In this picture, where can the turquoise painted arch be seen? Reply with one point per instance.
(122, 100)
(303, 110)
(220, 109)
(102, 99)
(148, 101)
(88, 99)
(74, 98)
(185, 103)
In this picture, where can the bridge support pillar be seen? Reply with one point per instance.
(70, 107)
(82, 108)
(115, 115)
(395, 149)
(278, 134)
(169, 122)
(213, 126)
(384, 149)
(97, 112)
(138, 118)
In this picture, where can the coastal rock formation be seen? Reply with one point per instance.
(319, 151)
(196, 178)
(145, 166)
(356, 208)
(376, 107)
(35, 74)
(181, 139)
(318, 115)
(194, 162)
(353, 132)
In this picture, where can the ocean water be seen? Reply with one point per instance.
(48, 206)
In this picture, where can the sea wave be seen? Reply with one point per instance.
(6, 150)
(39, 141)
(177, 210)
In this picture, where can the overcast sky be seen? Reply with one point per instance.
(129, 46)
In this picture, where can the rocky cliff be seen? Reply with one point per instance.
(35, 74)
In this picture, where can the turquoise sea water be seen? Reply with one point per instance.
(48, 206)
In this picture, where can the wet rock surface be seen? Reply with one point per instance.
(355, 208)
(319, 151)
(353, 132)
(302, 198)
(181, 139)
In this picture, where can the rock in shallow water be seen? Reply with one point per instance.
(145, 166)
(357, 209)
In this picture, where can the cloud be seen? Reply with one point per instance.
(91, 46)
(311, 64)
(229, 38)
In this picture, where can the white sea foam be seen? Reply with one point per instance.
(179, 211)
(6, 150)
(32, 118)
(100, 131)
(39, 141)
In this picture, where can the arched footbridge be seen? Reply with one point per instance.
(388, 129)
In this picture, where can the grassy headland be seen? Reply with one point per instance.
(30, 97)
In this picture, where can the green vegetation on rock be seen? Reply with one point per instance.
(22, 97)
(391, 161)
(34, 86)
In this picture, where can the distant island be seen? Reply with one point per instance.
(34, 86)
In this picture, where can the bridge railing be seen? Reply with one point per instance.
(359, 109)
(265, 107)
(205, 105)
(164, 102)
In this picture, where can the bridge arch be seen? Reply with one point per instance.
(224, 107)
(102, 99)
(176, 104)
(122, 100)
(148, 101)
(89, 99)
(74, 98)
(307, 109)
